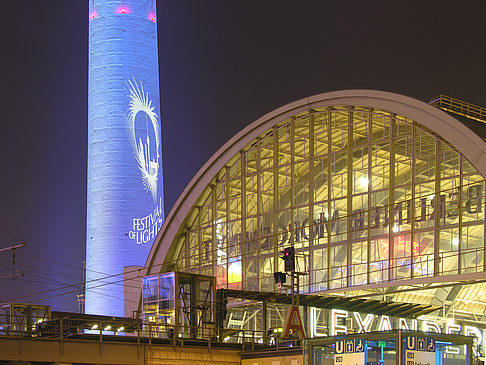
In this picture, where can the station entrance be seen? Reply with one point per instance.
(335, 330)
(396, 347)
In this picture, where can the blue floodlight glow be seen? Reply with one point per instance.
(125, 206)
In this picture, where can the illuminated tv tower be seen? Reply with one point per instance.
(125, 197)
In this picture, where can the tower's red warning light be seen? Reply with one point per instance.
(153, 18)
(123, 11)
(93, 15)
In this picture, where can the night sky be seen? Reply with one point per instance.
(223, 64)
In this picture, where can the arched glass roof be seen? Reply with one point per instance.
(378, 194)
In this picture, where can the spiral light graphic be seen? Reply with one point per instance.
(147, 163)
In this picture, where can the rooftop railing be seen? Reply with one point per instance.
(459, 107)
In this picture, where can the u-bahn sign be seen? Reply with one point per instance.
(420, 351)
(350, 352)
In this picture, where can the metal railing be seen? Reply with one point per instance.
(459, 107)
(149, 333)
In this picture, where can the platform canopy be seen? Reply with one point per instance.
(378, 307)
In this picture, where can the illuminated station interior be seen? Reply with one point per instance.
(380, 195)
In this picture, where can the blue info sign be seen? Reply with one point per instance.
(350, 352)
(420, 351)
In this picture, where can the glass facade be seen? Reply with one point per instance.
(364, 196)
(178, 304)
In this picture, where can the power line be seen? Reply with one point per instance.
(74, 285)
(63, 264)
(71, 292)
(58, 295)
(58, 273)
(72, 266)
(44, 269)
(99, 279)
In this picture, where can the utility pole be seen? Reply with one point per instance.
(80, 297)
(12, 248)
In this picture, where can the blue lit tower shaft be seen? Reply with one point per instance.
(124, 202)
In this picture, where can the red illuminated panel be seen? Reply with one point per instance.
(403, 247)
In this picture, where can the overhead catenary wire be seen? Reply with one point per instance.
(61, 294)
(57, 295)
(57, 273)
(118, 282)
(77, 284)
(99, 279)
(36, 272)
(67, 265)
(63, 264)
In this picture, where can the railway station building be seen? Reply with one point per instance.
(380, 195)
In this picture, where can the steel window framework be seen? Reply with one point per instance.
(312, 167)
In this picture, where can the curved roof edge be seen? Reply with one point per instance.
(457, 134)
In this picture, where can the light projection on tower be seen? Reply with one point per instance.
(146, 149)
(141, 104)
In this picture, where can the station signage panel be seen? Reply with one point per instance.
(420, 351)
(350, 352)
